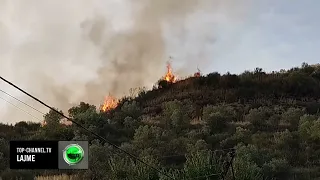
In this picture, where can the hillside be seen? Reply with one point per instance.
(190, 129)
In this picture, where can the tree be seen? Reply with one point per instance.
(52, 118)
(259, 117)
(309, 127)
(163, 83)
(53, 130)
(217, 118)
(274, 120)
(175, 115)
(244, 164)
(81, 108)
(125, 168)
(149, 137)
(4, 154)
(213, 79)
(131, 109)
(276, 169)
(229, 81)
(202, 164)
(292, 116)
(241, 135)
(99, 156)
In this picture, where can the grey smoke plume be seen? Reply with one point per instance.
(134, 58)
(82, 50)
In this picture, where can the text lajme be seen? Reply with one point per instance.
(26, 158)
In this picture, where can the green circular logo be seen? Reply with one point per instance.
(73, 154)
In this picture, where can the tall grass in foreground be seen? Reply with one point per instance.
(57, 177)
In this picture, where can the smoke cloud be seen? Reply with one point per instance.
(82, 50)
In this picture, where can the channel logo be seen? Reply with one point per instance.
(73, 154)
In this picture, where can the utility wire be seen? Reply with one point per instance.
(177, 155)
(205, 176)
(20, 108)
(22, 102)
(78, 124)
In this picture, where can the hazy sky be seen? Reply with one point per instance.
(68, 51)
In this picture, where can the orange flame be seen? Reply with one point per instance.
(110, 102)
(170, 77)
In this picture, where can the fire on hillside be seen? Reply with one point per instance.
(170, 77)
(110, 103)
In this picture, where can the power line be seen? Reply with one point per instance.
(177, 155)
(22, 102)
(19, 108)
(78, 124)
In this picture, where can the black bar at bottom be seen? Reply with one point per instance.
(33, 154)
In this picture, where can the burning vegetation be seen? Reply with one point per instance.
(170, 77)
(110, 103)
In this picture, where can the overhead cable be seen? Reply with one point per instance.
(19, 108)
(80, 125)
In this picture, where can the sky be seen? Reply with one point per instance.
(65, 52)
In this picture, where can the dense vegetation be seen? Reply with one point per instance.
(191, 128)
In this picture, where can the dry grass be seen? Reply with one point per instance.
(59, 177)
